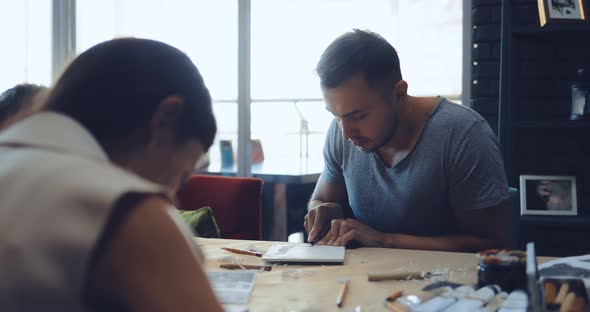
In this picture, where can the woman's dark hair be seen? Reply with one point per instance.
(359, 52)
(114, 89)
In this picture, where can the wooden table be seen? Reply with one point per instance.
(315, 287)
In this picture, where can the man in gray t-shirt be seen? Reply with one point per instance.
(417, 172)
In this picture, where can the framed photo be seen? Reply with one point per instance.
(560, 11)
(548, 195)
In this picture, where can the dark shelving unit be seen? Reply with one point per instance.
(537, 67)
(552, 221)
(555, 124)
(561, 28)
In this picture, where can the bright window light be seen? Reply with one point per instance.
(287, 39)
(25, 29)
(289, 36)
(205, 30)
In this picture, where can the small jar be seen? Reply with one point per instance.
(505, 268)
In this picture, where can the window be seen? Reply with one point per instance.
(25, 29)
(288, 38)
(205, 30)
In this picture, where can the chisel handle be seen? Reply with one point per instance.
(395, 276)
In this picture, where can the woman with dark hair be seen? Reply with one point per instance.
(87, 186)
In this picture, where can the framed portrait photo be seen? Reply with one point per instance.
(560, 11)
(548, 195)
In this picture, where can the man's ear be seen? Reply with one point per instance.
(167, 116)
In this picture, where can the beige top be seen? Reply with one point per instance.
(57, 190)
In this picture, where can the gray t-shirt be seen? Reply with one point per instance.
(455, 164)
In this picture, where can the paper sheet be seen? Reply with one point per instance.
(232, 287)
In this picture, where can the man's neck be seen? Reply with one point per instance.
(412, 116)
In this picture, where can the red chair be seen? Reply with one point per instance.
(236, 203)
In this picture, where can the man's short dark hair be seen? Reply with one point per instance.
(115, 88)
(17, 99)
(359, 52)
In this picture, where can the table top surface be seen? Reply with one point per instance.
(315, 287)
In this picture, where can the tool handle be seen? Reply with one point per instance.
(373, 276)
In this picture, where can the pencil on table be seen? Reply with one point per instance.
(242, 252)
(342, 293)
(245, 266)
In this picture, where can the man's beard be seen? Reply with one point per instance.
(388, 135)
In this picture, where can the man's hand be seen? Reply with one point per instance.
(343, 231)
(317, 219)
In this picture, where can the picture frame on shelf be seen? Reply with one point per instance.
(560, 11)
(548, 195)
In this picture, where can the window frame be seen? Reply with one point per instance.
(64, 49)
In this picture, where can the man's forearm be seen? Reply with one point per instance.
(460, 243)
